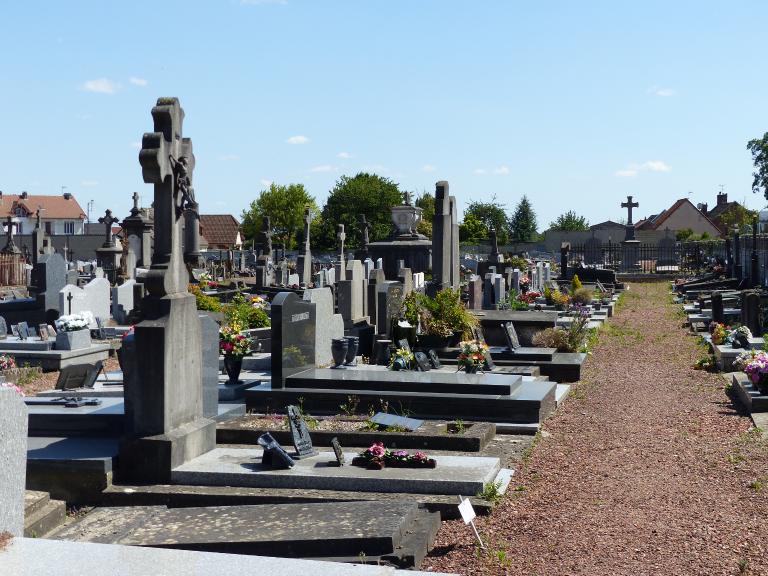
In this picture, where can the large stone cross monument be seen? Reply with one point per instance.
(164, 399)
(630, 230)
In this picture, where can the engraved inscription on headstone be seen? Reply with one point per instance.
(422, 362)
(511, 335)
(337, 451)
(433, 359)
(300, 434)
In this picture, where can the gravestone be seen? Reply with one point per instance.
(422, 362)
(667, 251)
(299, 434)
(351, 294)
(49, 276)
(718, 314)
(369, 265)
(122, 301)
(750, 312)
(405, 277)
(328, 324)
(433, 359)
(499, 285)
(165, 400)
(209, 338)
(475, 286)
(93, 298)
(379, 264)
(445, 240)
(340, 267)
(274, 456)
(389, 301)
(3, 329)
(304, 260)
(513, 342)
(337, 451)
(13, 461)
(294, 323)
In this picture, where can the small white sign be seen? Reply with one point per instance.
(466, 510)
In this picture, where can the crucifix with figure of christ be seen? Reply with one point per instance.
(10, 245)
(630, 234)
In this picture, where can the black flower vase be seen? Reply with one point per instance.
(233, 365)
(339, 347)
(352, 344)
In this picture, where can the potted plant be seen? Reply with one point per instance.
(234, 345)
(472, 356)
(444, 320)
(757, 369)
(73, 332)
(719, 333)
(402, 359)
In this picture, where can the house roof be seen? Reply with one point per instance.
(718, 210)
(219, 229)
(606, 224)
(59, 207)
(655, 222)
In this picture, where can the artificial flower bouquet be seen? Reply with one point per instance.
(376, 457)
(233, 342)
(472, 355)
(73, 322)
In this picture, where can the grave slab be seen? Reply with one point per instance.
(242, 467)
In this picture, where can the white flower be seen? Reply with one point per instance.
(72, 322)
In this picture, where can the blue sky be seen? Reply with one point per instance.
(576, 104)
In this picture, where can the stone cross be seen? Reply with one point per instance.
(69, 302)
(266, 231)
(494, 241)
(629, 205)
(341, 236)
(108, 220)
(37, 218)
(135, 209)
(167, 161)
(10, 246)
(307, 223)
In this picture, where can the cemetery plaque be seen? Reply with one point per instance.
(13, 455)
(422, 362)
(489, 364)
(386, 420)
(23, 331)
(100, 334)
(15, 330)
(433, 359)
(43, 329)
(337, 451)
(78, 376)
(511, 335)
(300, 434)
(741, 341)
(3, 329)
(274, 456)
(403, 344)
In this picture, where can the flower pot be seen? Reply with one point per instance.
(352, 344)
(74, 340)
(762, 384)
(233, 365)
(339, 348)
(474, 369)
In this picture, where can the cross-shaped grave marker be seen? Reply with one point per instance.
(629, 205)
(167, 161)
(10, 245)
(108, 220)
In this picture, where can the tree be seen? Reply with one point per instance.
(472, 230)
(285, 207)
(736, 215)
(426, 202)
(570, 222)
(366, 194)
(759, 149)
(522, 225)
(492, 215)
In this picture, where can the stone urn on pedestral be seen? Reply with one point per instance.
(234, 345)
(73, 331)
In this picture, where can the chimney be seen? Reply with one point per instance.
(67, 196)
(722, 198)
(702, 207)
(24, 195)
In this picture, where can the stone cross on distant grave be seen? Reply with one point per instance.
(135, 210)
(10, 246)
(307, 224)
(341, 236)
(167, 161)
(629, 205)
(108, 220)
(37, 218)
(69, 302)
(266, 232)
(494, 244)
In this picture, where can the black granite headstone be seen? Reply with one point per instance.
(293, 336)
(3, 329)
(78, 376)
(337, 451)
(489, 364)
(422, 362)
(300, 434)
(274, 456)
(23, 330)
(433, 359)
(511, 335)
(403, 344)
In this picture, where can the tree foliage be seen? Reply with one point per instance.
(759, 149)
(472, 230)
(522, 224)
(570, 222)
(426, 202)
(737, 215)
(492, 215)
(364, 193)
(285, 207)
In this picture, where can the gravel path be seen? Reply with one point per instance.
(647, 469)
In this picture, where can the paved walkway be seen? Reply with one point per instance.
(647, 469)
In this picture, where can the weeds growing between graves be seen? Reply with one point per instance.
(491, 492)
(349, 408)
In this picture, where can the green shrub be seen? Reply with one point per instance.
(575, 283)
(516, 262)
(204, 302)
(552, 338)
(242, 312)
(582, 296)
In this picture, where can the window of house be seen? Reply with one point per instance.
(20, 211)
(47, 227)
(69, 227)
(19, 228)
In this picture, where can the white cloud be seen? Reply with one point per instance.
(100, 86)
(634, 169)
(344, 155)
(229, 157)
(323, 168)
(501, 170)
(136, 81)
(663, 92)
(297, 140)
(266, 182)
(429, 168)
(89, 183)
(479, 171)
(656, 166)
